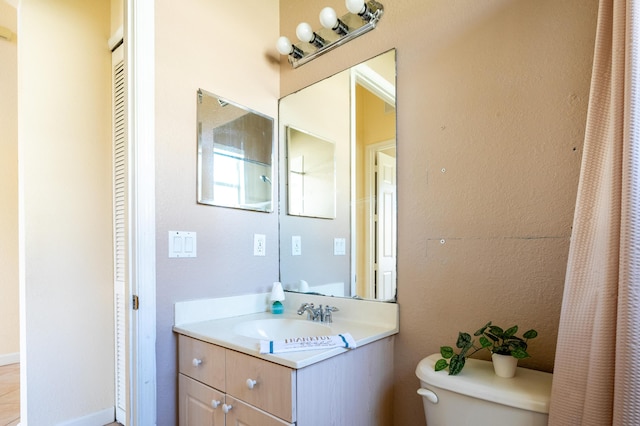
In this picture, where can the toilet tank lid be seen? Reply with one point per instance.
(528, 390)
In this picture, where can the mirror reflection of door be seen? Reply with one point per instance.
(374, 202)
(385, 235)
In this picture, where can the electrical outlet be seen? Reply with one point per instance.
(259, 245)
(296, 245)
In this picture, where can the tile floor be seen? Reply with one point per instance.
(10, 395)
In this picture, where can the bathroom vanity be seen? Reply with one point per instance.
(224, 380)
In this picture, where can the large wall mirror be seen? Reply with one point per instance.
(235, 155)
(353, 253)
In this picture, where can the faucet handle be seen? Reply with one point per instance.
(327, 314)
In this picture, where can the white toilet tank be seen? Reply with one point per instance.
(478, 397)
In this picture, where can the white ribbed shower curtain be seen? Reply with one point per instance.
(597, 367)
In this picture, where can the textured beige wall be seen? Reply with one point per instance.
(64, 131)
(198, 45)
(492, 99)
(9, 319)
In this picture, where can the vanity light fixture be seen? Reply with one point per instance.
(329, 19)
(305, 33)
(363, 16)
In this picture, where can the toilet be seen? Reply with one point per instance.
(478, 397)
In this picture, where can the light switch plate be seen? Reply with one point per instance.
(259, 245)
(296, 245)
(182, 244)
(339, 246)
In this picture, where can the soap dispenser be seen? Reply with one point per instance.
(277, 296)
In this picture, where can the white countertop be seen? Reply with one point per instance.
(366, 321)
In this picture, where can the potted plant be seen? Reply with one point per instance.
(506, 348)
(504, 345)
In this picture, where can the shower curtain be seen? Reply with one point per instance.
(597, 367)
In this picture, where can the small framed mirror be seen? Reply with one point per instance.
(235, 155)
(311, 175)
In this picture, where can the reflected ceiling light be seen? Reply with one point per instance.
(363, 16)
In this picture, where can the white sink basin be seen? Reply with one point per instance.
(280, 328)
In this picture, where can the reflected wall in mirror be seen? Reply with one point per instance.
(235, 155)
(311, 177)
(353, 255)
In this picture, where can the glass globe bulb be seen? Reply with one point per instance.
(328, 18)
(284, 46)
(304, 32)
(355, 6)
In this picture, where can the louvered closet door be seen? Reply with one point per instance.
(119, 226)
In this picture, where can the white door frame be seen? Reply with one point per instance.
(141, 324)
(365, 76)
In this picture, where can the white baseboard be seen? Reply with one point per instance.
(103, 417)
(6, 359)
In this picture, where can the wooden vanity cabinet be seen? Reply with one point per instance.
(354, 388)
(213, 388)
(275, 388)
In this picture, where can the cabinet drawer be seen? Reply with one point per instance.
(199, 405)
(274, 389)
(202, 361)
(244, 414)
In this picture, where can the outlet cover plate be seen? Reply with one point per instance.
(339, 246)
(296, 245)
(259, 245)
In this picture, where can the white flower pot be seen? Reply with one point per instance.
(504, 365)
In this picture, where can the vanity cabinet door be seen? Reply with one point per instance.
(241, 414)
(199, 405)
(202, 361)
(268, 386)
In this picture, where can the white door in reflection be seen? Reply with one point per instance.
(385, 234)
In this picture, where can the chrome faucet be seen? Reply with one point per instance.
(313, 314)
(317, 314)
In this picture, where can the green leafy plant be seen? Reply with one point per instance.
(505, 342)
(455, 361)
(491, 337)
